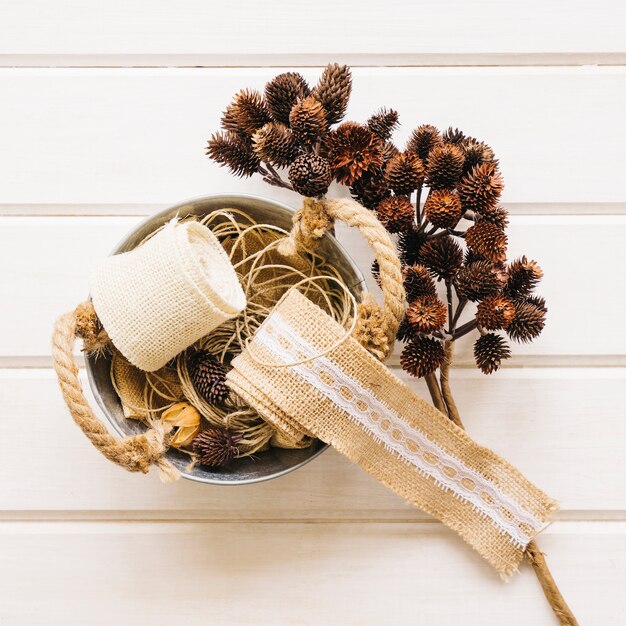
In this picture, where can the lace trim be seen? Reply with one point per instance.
(390, 430)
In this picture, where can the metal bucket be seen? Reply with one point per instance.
(264, 465)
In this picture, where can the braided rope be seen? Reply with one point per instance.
(136, 453)
(309, 226)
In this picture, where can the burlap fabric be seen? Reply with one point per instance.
(161, 297)
(350, 400)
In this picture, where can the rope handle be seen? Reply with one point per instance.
(135, 453)
(313, 220)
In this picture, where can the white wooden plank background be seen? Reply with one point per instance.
(104, 113)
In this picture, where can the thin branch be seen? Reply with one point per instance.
(444, 378)
(468, 327)
(457, 313)
(435, 392)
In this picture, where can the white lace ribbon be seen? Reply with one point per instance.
(391, 430)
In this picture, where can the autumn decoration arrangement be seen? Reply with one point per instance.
(263, 344)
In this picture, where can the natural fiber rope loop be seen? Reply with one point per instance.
(317, 216)
(135, 454)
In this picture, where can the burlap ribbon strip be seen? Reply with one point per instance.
(350, 400)
(164, 295)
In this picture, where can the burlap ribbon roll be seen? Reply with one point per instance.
(164, 295)
(350, 400)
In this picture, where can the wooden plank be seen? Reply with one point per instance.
(51, 258)
(268, 574)
(137, 136)
(278, 33)
(564, 428)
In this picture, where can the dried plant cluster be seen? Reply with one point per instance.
(440, 195)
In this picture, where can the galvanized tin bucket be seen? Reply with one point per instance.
(265, 465)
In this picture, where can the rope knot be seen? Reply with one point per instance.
(372, 330)
(310, 223)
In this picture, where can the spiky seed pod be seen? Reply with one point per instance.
(453, 135)
(396, 213)
(274, 143)
(417, 281)
(522, 277)
(389, 151)
(405, 173)
(498, 216)
(421, 356)
(333, 91)
(489, 352)
(230, 150)
(383, 123)
(208, 376)
(495, 313)
(246, 113)
(423, 139)
(427, 314)
(539, 302)
(528, 322)
(310, 175)
(442, 256)
(370, 189)
(445, 166)
(308, 120)
(478, 280)
(406, 332)
(481, 189)
(216, 447)
(488, 241)
(353, 149)
(443, 208)
(410, 245)
(282, 93)
(476, 153)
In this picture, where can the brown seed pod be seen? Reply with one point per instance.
(443, 208)
(383, 123)
(476, 153)
(396, 213)
(489, 352)
(405, 173)
(308, 120)
(333, 91)
(417, 281)
(352, 149)
(216, 447)
(410, 244)
(421, 356)
(310, 175)
(208, 376)
(445, 166)
(427, 314)
(481, 189)
(282, 93)
(370, 189)
(528, 322)
(274, 143)
(228, 149)
(479, 279)
(488, 241)
(442, 256)
(522, 277)
(246, 113)
(495, 313)
(423, 139)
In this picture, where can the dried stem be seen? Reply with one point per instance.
(533, 554)
(563, 613)
(444, 377)
(435, 393)
(466, 328)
